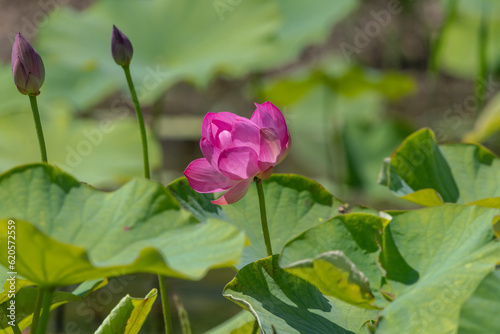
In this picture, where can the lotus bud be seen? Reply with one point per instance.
(27, 67)
(121, 48)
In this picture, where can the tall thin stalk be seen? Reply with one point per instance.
(46, 303)
(263, 216)
(38, 308)
(140, 119)
(38, 125)
(145, 157)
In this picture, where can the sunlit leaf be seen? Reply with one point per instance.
(291, 305)
(435, 258)
(340, 257)
(242, 323)
(138, 228)
(479, 314)
(334, 274)
(487, 123)
(293, 204)
(425, 173)
(128, 316)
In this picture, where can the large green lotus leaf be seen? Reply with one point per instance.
(340, 257)
(177, 41)
(25, 305)
(487, 123)
(289, 304)
(351, 285)
(128, 316)
(465, 27)
(435, 258)
(294, 204)
(138, 228)
(106, 152)
(425, 173)
(242, 323)
(479, 314)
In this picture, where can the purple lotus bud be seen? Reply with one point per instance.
(27, 67)
(121, 48)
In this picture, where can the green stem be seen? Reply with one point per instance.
(147, 175)
(263, 216)
(38, 308)
(16, 329)
(44, 317)
(483, 65)
(38, 125)
(140, 119)
(164, 303)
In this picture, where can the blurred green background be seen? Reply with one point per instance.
(352, 77)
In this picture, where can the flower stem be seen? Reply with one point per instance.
(161, 279)
(263, 216)
(16, 329)
(140, 119)
(46, 303)
(38, 307)
(164, 303)
(38, 125)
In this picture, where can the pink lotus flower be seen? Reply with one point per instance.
(236, 150)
